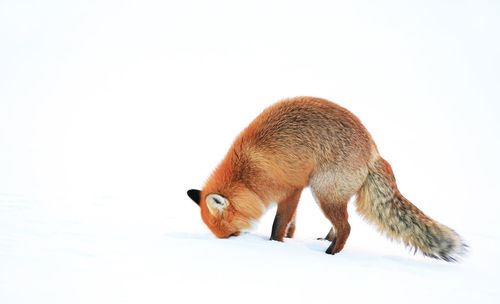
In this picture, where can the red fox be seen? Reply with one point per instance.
(307, 141)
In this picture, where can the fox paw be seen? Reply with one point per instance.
(331, 248)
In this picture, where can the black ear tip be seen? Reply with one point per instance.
(194, 195)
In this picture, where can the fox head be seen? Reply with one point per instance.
(227, 216)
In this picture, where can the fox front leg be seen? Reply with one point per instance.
(284, 222)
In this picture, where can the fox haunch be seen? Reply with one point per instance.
(308, 141)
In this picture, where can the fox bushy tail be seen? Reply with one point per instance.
(380, 202)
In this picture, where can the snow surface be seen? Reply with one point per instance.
(112, 251)
(110, 111)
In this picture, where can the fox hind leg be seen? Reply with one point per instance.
(342, 228)
(330, 236)
(332, 190)
(335, 210)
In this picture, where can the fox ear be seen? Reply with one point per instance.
(194, 195)
(216, 203)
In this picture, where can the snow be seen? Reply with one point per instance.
(106, 252)
(110, 111)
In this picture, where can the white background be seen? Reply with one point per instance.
(111, 110)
